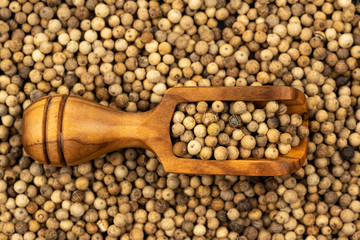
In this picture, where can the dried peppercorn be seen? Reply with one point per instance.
(347, 153)
(244, 205)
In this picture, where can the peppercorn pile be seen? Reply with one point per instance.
(125, 54)
(229, 130)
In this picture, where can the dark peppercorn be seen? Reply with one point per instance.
(61, 235)
(151, 177)
(46, 190)
(187, 226)
(36, 94)
(70, 80)
(230, 21)
(254, 180)
(258, 152)
(181, 199)
(234, 121)
(15, 153)
(291, 129)
(273, 122)
(347, 153)
(251, 233)
(24, 72)
(236, 226)
(331, 197)
(73, 22)
(122, 100)
(143, 105)
(343, 53)
(78, 196)
(11, 192)
(253, 202)
(322, 150)
(24, 162)
(342, 81)
(161, 206)
(21, 227)
(271, 184)
(222, 216)
(244, 205)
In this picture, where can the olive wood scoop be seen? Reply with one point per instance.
(68, 130)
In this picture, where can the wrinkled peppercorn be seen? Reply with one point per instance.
(271, 184)
(244, 205)
(161, 206)
(347, 153)
(222, 216)
(236, 226)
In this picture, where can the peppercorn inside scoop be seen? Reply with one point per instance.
(235, 130)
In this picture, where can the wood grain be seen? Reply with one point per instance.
(70, 130)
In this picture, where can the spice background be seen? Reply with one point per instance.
(125, 54)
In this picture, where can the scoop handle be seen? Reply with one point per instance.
(68, 130)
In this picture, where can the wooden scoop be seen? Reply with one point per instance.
(68, 130)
